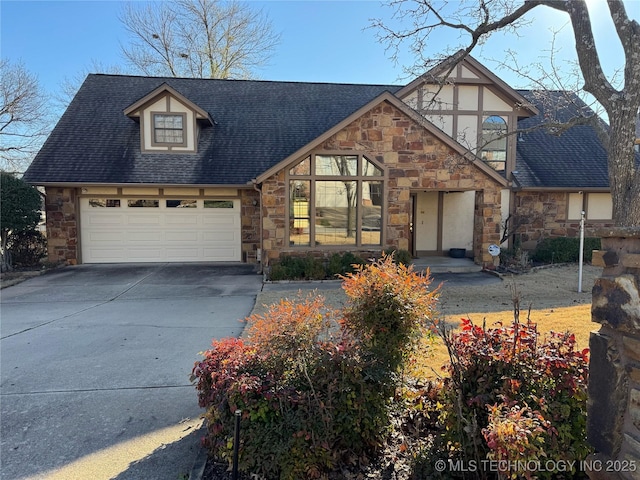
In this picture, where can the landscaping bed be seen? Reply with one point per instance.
(547, 291)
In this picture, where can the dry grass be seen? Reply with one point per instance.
(576, 319)
(550, 293)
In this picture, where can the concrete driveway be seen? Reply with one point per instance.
(95, 364)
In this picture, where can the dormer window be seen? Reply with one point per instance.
(169, 129)
(169, 122)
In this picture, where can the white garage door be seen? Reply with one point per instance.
(159, 230)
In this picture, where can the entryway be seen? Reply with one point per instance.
(443, 220)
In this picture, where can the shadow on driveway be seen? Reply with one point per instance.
(96, 362)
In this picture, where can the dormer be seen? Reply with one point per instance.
(472, 105)
(169, 122)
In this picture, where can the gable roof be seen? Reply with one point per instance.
(574, 159)
(135, 109)
(485, 76)
(258, 123)
(406, 110)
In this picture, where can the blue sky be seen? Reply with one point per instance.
(325, 41)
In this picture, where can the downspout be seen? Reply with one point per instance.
(260, 254)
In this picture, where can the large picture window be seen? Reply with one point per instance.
(335, 200)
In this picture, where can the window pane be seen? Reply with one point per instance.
(371, 213)
(299, 212)
(342, 165)
(302, 168)
(143, 203)
(182, 204)
(218, 204)
(169, 136)
(104, 202)
(494, 142)
(369, 169)
(168, 121)
(168, 128)
(335, 213)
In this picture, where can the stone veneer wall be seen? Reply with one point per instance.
(250, 206)
(546, 214)
(62, 224)
(416, 161)
(613, 411)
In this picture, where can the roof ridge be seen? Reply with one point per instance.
(247, 80)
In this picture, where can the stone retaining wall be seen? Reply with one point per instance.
(613, 424)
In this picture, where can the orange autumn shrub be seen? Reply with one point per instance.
(315, 386)
(391, 308)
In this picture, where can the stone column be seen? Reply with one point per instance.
(613, 423)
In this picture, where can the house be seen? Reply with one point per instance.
(143, 169)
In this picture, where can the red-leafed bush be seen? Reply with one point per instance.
(514, 396)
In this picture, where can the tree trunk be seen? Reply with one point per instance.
(624, 176)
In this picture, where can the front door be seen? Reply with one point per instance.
(443, 220)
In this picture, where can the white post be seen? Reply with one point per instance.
(581, 255)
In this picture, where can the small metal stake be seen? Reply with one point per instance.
(236, 446)
(581, 254)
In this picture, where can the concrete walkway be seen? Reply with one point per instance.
(95, 364)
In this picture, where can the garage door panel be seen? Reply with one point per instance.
(147, 236)
(219, 254)
(105, 219)
(184, 254)
(181, 220)
(105, 236)
(143, 219)
(144, 254)
(219, 236)
(162, 235)
(222, 220)
(108, 254)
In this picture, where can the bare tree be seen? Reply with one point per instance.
(24, 118)
(475, 22)
(198, 38)
(70, 85)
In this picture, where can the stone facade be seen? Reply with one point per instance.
(544, 215)
(250, 212)
(416, 160)
(613, 427)
(61, 207)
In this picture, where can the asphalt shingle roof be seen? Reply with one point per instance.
(260, 123)
(257, 125)
(573, 159)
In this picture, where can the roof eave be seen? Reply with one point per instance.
(149, 185)
(571, 189)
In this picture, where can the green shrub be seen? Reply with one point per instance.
(400, 257)
(343, 264)
(564, 250)
(298, 268)
(27, 248)
(20, 205)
